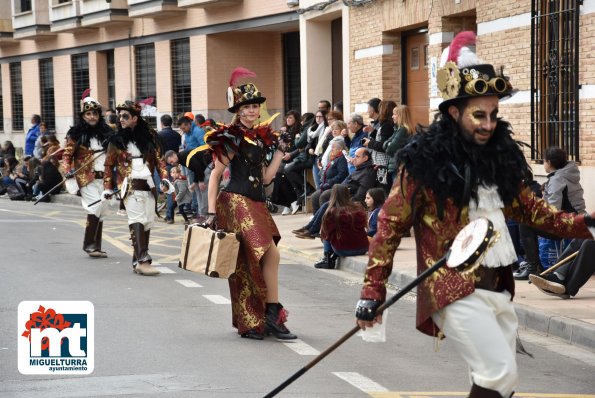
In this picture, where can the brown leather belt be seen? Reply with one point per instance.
(99, 175)
(491, 278)
(139, 185)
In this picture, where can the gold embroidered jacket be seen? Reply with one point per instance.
(434, 236)
(72, 161)
(122, 160)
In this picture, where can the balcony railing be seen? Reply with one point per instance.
(31, 23)
(65, 16)
(100, 12)
(153, 8)
(207, 3)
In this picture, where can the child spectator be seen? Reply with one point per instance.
(343, 228)
(183, 196)
(375, 198)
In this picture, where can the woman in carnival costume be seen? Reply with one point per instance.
(240, 207)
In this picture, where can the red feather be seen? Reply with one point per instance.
(463, 39)
(147, 101)
(86, 93)
(239, 73)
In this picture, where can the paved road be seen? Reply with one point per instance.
(171, 335)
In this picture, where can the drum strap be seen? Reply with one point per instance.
(491, 279)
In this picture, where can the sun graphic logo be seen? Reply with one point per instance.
(56, 337)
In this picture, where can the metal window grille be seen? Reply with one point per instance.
(554, 76)
(46, 91)
(111, 80)
(145, 77)
(16, 94)
(180, 72)
(25, 5)
(80, 81)
(1, 106)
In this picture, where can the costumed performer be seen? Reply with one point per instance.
(241, 208)
(85, 141)
(136, 153)
(464, 166)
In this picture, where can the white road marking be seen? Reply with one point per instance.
(360, 382)
(165, 270)
(301, 348)
(188, 283)
(217, 299)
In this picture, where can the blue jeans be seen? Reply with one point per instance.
(316, 223)
(316, 175)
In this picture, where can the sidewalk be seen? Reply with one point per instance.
(571, 320)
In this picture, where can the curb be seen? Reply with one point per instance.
(569, 330)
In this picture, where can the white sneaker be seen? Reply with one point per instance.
(286, 211)
(295, 207)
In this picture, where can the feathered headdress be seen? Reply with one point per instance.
(89, 103)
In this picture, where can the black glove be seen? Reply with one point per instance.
(590, 220)
(365, 310)
(211, 221)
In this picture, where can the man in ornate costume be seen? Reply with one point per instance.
(464, 166)
(241, 208)
(136, 153)
(85, 147)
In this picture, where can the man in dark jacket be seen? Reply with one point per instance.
(170, 140)
(358, 182)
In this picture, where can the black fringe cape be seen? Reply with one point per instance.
(142, 135)
(82, 132)
(440, 159)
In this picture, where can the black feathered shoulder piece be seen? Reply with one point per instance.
(141, 135)
(440, 159)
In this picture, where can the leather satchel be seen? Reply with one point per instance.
(213, 253)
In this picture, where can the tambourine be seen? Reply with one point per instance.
(72, 187)
(124, 188)
(470, 244)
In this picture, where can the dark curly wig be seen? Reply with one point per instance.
(440, 158)
(82, 132)
(142, 135)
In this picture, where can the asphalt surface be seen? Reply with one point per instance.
(171, 335)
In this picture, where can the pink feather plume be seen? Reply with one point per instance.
(463, 39)
(86, 93)
(147, 101)
(240, 73)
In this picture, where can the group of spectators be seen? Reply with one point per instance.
(351, 163)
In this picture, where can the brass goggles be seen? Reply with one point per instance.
(481, 86)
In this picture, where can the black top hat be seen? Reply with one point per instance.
(133, 107)
(243, 94)
(464, 76)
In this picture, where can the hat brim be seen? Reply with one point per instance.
(236, 107)
(443, 107)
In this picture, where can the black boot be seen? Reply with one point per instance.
(252, 335)
(326, 262)
(531, 265)
(90, 234)
(276, 317)
(98, 253)
(332, 260)
(480, 392)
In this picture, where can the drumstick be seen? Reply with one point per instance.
(559, 264)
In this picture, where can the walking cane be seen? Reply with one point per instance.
(559, 264)
(465, 253)
(64, 179)
(108, 196)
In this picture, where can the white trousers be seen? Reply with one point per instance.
(91, 193)
(140, 207)
(483, 327)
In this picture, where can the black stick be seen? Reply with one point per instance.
(64, 179)
(421, 277)
(97, 201)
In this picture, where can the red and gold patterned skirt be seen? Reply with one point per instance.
(257, 230)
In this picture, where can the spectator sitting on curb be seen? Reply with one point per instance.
(375, 198)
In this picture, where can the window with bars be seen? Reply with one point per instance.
(80, 81)
(16, 95)
(1, 105)
(23, 6)
(145, 77)
(46, 91)
(554, 77)
(111, 80)
(180, 72)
